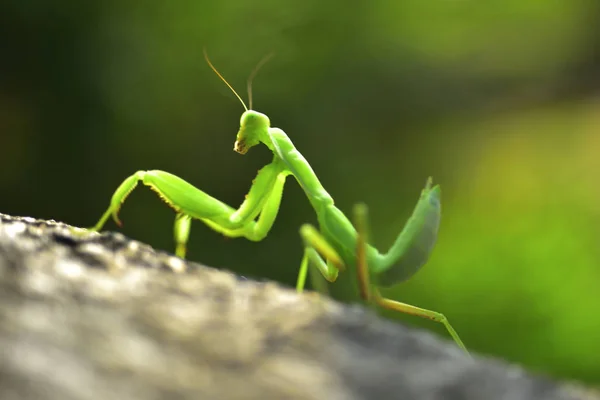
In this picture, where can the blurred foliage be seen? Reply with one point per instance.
(494, 99)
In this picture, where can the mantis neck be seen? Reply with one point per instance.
(284, 149)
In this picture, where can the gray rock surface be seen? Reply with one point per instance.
(99, 316)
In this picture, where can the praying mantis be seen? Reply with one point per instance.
(338, 249)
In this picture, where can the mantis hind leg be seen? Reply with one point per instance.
(419, 312)
(371, 294)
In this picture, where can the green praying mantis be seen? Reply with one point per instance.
(338, 249)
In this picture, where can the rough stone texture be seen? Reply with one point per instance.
(99, 316)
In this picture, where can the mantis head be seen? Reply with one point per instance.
(254, 129)
(254, 126)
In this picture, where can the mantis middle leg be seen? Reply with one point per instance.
(319, 254)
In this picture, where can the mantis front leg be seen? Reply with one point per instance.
(190, 202)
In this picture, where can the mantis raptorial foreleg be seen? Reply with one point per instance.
(371, 293)
(263, 200)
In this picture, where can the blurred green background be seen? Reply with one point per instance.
(498, 100)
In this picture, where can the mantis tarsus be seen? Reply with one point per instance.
(339, 249)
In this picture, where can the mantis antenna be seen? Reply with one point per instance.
(224, 80)
(253, 75)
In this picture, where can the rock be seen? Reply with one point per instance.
(99, 316)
